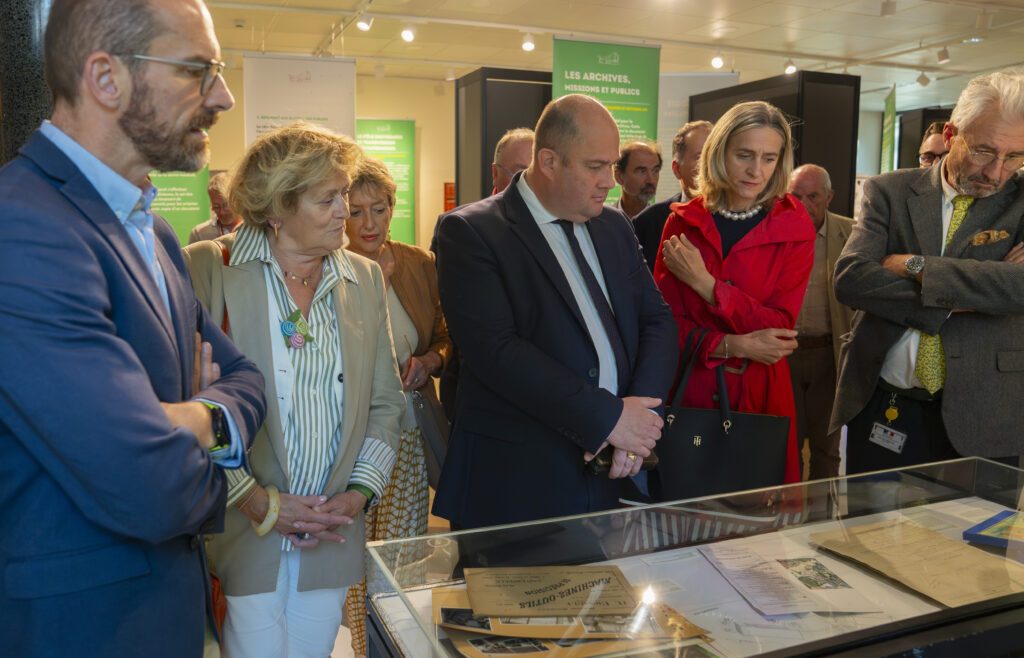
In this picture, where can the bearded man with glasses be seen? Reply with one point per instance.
(934, 367)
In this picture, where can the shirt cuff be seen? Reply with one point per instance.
(240, 483)
(373, 467)
(234, 455)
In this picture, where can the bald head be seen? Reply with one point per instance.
(576, 144)
(812, 185)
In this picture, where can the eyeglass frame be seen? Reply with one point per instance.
(929, 157)
(212, 69)
(991, 157)
(507, 171)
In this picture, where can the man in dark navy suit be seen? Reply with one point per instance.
(568, 347)
(120, 402)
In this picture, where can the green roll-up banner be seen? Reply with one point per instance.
(624, 78)
(889, 133)
(393, 141)
(182, 199)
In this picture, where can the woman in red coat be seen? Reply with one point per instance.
(735, 260)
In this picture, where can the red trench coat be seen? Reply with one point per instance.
(759, 285)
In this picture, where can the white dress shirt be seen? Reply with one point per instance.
(900, 361)
(608, 374)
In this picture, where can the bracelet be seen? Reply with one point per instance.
(725, 341)
(273, 512)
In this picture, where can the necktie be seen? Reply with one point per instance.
(931, 358)
(604, 311)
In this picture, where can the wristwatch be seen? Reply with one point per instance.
(914, 265)
(221, 433)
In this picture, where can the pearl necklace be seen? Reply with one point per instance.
(740, 215)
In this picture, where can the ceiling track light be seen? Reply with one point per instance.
(528, 43)
(942, 56)
(364, 22)
(790, 68)
(717, 62)
(923, 79)
(408, 33)
(888, 8)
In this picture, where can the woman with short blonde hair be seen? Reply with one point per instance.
(735, 260)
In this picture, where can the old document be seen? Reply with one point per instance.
(550, 591)
(945, 570)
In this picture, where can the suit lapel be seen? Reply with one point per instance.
(523, 224)
(925, 210)
(185, 334)
(245, 294)
(603, 237)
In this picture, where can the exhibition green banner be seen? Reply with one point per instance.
(889, 133)
(182, 199)
(624, 78)
(393, 141)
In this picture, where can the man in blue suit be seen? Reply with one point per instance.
(567, 345)
(114, 426)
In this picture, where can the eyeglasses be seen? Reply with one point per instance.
(928, 157)
(983, 158)
(211, 70)
(508, 171)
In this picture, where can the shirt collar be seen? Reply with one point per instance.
(120, 195)
(948, 191)
(251, 244)
(537, 209)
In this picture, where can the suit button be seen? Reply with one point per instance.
(592, 373)
(728, 281)
(341, 377)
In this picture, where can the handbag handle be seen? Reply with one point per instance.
(695, 339)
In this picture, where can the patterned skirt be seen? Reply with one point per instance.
(402, 512)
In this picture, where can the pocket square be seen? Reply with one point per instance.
(986, 237)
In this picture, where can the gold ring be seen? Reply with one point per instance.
(631, 456)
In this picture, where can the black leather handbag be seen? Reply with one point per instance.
(704, 452)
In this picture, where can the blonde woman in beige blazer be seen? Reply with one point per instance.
(422, 346)
(294, 530)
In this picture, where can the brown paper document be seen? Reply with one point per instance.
(945, 570)
(451, 610)
(550, 591)
(488, 646)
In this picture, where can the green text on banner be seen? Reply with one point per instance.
(393, 141)
(624, 78)
(182, 199)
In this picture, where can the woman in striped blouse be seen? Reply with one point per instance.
(314, 319)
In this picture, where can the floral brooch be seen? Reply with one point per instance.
(295, 331)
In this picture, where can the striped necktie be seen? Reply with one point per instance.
(931, 358)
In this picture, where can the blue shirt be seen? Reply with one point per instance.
(130, 205)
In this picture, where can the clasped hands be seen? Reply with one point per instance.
(635, 434)
(307, 520)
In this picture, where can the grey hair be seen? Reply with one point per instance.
(813, 167)
(1002, 91)
(511, 135)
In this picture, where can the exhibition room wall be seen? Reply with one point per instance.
(430, 103)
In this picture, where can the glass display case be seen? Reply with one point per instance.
(922, 561)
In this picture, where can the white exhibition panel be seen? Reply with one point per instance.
(281, 89)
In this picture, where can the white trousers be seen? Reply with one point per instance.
(284, 623)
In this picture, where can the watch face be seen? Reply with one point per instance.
(915, 264)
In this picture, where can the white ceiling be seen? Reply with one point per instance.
(755, 37)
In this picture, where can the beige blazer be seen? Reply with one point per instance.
(837, 232)
(373, 399)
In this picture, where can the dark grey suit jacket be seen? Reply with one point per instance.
(902, 213)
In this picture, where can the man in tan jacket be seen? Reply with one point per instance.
(821, 325)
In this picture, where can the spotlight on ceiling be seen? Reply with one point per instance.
(528, 43)
(790, 67)
(973, 40)
(888, 8)
(364, 22)
(717, 62)
(408, 33)
(923, 80)
(942, 56)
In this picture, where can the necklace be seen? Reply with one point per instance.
(307, 281)
(741, 215)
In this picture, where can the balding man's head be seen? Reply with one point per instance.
(575, 146)
(813, 186)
